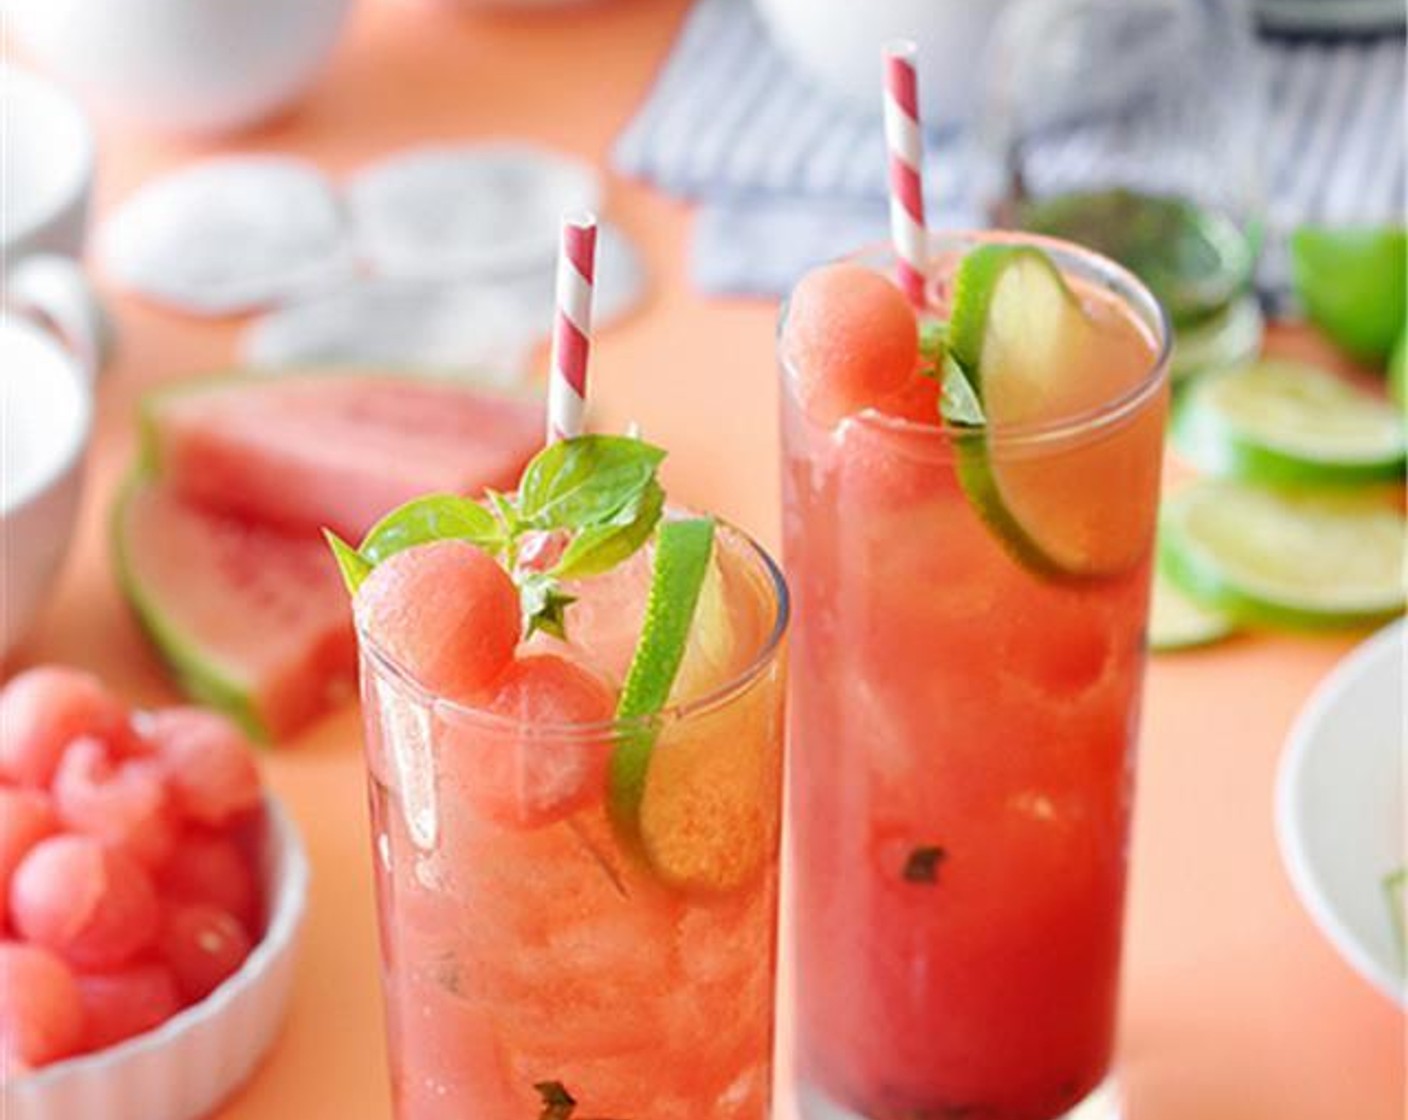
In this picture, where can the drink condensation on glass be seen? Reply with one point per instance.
(536, 962)
(963, 730)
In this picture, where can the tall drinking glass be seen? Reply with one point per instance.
(556, 965)
(964, 708)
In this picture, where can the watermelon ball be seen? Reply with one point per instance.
(93, 905)
(43, 710)
(26, 817)
(208, 764)
(123, 803)
(41, 1010)
(446, 612)
(126, 1002)
(209, 868)
(523, 780)
(203, 946)
(850, 341)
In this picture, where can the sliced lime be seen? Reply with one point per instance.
(1303, 558)
(683, 550)
(1022, 338)
(711, 645)
(1284, 422)
(1353, 284)
(1179, 622)
(1398, 375)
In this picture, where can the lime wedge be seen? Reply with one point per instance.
(683, 550)
(1302, 558)
(1022, 338)
(1353, 284)
(712, 643)
(1179, 622)
(1398, 375)
(1286, 423)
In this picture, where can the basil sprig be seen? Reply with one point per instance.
(598, 494)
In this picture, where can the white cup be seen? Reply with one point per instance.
(53, 338)
(839, 42)
(46, 400)
(47, 187)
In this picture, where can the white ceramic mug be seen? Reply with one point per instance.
(53, 338)
(47, 397)
(47, 187)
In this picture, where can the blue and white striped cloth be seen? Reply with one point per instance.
(789, 176)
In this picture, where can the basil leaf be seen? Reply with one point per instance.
(601, 547)
(582, 482)
(558, 1103)
(352, 564)
(544, 607)
(933, 340)
(922, 866)
(438, 517)
(958, 402)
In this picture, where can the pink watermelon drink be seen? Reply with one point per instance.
(970, 506)
(574, 746)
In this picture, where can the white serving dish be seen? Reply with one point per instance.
(839, 43)
(189, 66)
(1339, 805)
(184, 1068)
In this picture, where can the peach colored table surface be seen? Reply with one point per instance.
(1235, 1008)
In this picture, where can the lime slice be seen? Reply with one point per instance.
(712, 643)
(1021, 337)
(1179, 622)
(1353, 286)
(683, 550)
(1398, 375)
(1286, 557)
(1286, 423)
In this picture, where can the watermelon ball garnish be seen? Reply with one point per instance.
(125, 1002)
(446, 612)
(850, 340)
(526, 780)
(122, 802)
(90, 904)
(41, 1009)
(45, 709)
(203, 946)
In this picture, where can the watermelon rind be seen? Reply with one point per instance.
(196, 676)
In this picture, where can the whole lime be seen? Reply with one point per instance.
(1353, 284)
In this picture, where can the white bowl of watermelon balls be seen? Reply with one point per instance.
(150, 898)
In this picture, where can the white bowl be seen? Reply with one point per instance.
(1339, 805)
(206, 66)
(839, 42)
(47, 408)
(184, 1068)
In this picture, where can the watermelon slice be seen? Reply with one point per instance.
(252, 620)
(334, 449)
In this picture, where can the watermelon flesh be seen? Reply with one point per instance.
(253, 620)
(336, 450)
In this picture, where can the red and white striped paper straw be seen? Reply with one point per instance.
(906, 150)
(572, 327)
